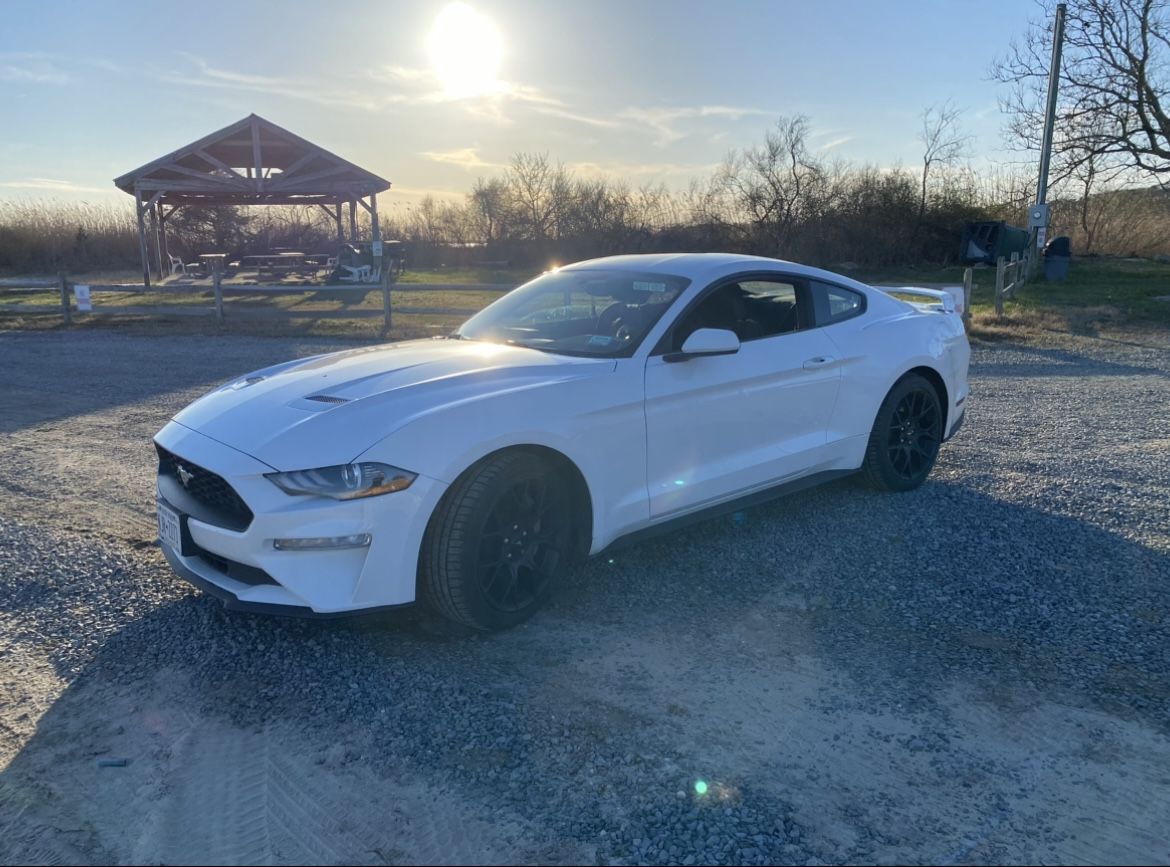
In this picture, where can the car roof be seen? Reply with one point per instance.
(707, 266)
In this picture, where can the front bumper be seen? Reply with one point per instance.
(308, 583)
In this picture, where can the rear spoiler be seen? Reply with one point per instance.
(937, 299)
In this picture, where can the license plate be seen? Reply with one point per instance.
(168, 527)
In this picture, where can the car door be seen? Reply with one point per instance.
(719, 426)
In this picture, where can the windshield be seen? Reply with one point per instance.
(602, 312)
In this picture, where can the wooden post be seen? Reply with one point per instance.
(215, 282)
(375, 234)
(142, 239)
(1000, 267)
(1015, 266)
(64, 286)
(154, 226)
(968, 285)
(340, 228)
(162, 222)
(386, 321)
(353, 235)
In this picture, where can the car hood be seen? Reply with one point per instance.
(330, 408)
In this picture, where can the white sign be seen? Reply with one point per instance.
(81, 293)
(377, 248)
(1041, 234)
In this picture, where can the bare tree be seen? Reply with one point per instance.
(1114, 84)
(539, 190)
(772, 184)
(490, 209)
(943, 143)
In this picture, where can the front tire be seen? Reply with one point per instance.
(498, 542)
(907, 432)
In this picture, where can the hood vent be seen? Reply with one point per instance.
(327, 398)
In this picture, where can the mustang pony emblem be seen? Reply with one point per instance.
(185, 475)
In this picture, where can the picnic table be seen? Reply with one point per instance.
(274, 262)
(212, 261)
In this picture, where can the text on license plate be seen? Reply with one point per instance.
(168, 527)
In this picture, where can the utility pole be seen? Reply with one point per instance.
(1038, 216)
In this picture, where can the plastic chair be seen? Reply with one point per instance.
(357, 274)
(177, 266)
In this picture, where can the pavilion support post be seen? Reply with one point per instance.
(142, 238)
(353, 235)
(340, 229)
(155, 227)
(376, 237)
(162, 222)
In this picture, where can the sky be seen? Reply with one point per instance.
(432, 95)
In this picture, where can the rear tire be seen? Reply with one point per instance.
(498, 542)
(907, 432)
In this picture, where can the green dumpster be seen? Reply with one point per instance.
(985, 241)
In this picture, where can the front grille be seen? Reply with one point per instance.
(237, 571)
(220, 500)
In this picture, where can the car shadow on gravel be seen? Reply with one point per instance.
(907, 591)
(903, 596)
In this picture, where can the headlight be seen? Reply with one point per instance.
(344, 482)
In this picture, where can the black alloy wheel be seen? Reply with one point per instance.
(903, 444)
(498, 541)
(914, 433)
(519, 545)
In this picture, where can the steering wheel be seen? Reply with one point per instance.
(609, 318)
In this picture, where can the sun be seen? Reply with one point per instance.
(465, 49)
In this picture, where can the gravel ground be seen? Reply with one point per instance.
(976, 672)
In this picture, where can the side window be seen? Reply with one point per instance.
(753, 309)
(835, 304)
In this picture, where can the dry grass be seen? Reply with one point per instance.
(44, 235)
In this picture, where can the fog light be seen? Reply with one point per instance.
(318, 543)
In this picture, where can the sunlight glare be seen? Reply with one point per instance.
(465, 50)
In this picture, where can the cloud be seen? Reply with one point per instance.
(33, 67)
(466, 158)
(291, 88)
(54, 185)
(423, 87)
(620, 170)
(666, 122)
(835, 143)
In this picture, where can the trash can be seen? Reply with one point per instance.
(1057, 256)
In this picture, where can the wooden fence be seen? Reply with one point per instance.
(1010, 274)
(68, 306)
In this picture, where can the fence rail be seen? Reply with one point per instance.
(69, 306)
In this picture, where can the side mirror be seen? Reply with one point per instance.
(706, 341)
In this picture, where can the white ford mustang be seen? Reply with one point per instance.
(595, 402)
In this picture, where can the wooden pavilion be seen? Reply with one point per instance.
(251, 162)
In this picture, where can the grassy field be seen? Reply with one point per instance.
(1099, 292)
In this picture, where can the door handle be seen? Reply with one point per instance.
(819, 361)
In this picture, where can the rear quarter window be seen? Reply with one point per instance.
(832, 304)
